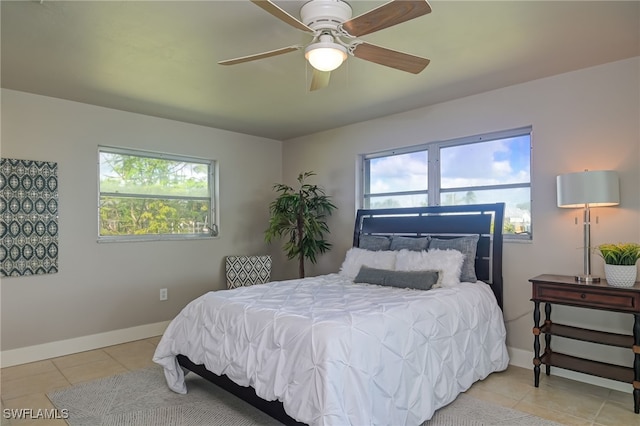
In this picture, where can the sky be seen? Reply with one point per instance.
(496, 162)
(488, 163)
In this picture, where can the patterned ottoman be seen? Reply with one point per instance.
(247, 270)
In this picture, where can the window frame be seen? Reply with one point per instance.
(213, 215)
(434, 188)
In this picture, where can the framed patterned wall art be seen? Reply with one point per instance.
(29, 213)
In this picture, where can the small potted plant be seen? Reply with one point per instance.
(620, 263)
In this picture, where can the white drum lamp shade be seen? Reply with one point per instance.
(596, 188)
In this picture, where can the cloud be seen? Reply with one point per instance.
(403, 172)
(494, 162)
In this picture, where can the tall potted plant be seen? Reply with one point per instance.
(300, 215)
(620, 263)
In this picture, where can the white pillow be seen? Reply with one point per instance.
(448, 261)
(357, 257)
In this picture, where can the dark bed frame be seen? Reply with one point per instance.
(443, 222)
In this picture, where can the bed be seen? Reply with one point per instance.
(342, 348)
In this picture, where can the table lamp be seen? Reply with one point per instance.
(584, 190)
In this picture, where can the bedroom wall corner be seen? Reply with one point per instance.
(105, 287)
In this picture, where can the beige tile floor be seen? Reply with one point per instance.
(562, 400)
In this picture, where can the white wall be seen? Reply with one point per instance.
(588, 119)
(112, 286)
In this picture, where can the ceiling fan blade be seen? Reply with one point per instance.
(260, 55)
(385, 16)
(320, 80)
(281, 14)
(390, 58)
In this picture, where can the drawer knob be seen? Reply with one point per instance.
(583, 296)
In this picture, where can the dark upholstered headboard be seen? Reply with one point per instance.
(484, 220)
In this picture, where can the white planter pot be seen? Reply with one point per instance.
(620, 275)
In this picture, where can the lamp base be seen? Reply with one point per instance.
(583, 278)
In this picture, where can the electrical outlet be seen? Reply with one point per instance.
(164, 294)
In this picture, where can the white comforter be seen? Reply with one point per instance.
(339, 353)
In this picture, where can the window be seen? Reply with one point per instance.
(145, 196)
(488, 168)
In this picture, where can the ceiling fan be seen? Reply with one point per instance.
(335, 35)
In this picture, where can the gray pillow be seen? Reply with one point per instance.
(410, 243)
(465, 245)
(374, 242)
(419, 280)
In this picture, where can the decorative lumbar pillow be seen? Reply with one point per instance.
(399, 242)
(357, 257)
(374, 242)
(447, 261)
(465, 245)
(419, 280)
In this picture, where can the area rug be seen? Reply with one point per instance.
(141, 398)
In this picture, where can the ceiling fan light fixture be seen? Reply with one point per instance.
(325, 56)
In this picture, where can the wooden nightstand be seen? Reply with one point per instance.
(565, 290)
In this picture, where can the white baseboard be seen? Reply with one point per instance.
(27, 354)
(524, 359)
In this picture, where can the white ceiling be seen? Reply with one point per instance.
(160, 57)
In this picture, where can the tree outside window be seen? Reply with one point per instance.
(145, 195)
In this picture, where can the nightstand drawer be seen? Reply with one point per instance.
(593, 297)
